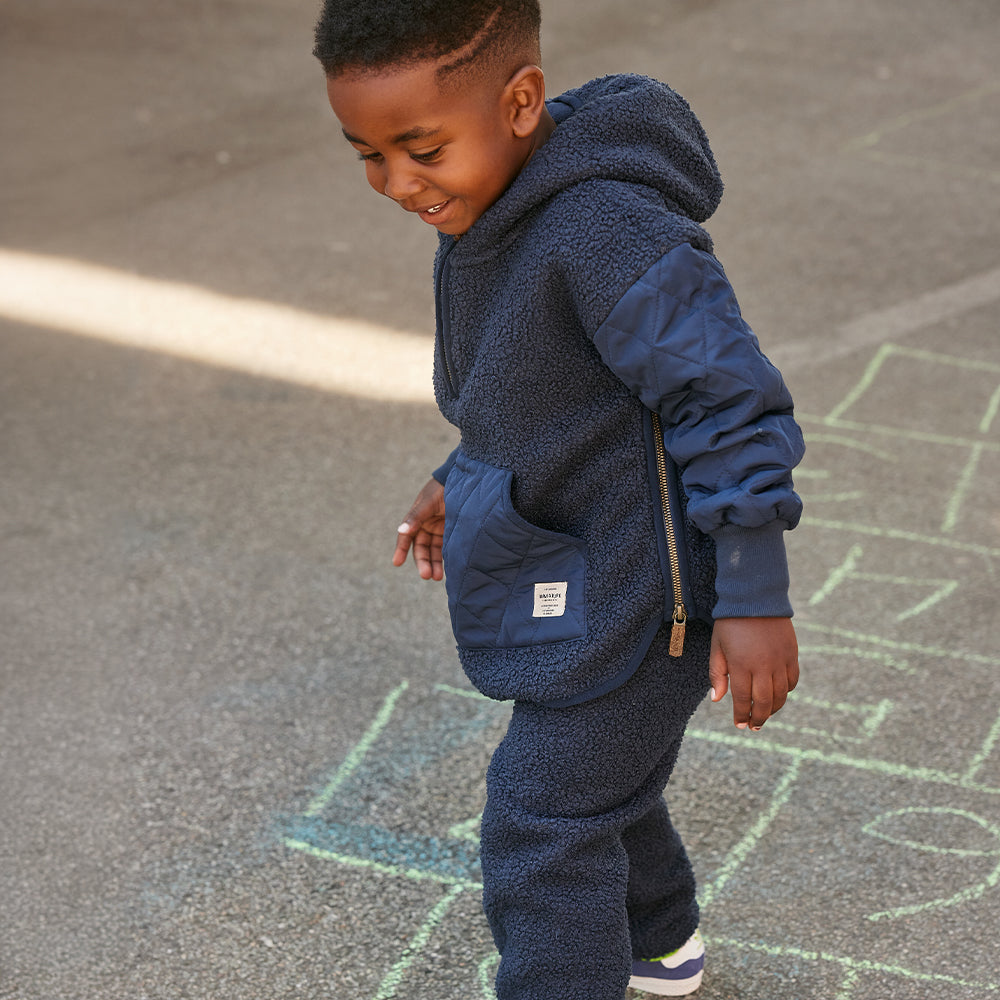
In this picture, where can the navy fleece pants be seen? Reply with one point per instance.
(582, 868)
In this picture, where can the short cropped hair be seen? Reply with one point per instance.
(372, 35)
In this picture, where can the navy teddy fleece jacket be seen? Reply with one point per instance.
(584, 298)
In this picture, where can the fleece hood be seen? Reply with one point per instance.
(626, 128)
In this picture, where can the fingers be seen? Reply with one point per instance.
(792, 672)
(741, 687)
(427, 556)
(762, 704)
(422, 532)
(752, 696)
(759, 695)
(426, 547)
(779, 690)
(428, 506)
(718, 671)
(402, 545)
(758, 657)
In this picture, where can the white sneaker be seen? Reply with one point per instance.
(673, 975)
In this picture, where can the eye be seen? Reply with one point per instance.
(370, 157)
(428, 157)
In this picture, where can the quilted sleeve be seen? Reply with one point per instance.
(678, 341)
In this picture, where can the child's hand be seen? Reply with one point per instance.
(423, 528)
(759, 659)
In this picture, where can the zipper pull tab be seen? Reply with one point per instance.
(677, 630)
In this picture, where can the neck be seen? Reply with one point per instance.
(546, 126)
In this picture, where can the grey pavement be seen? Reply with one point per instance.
(238, 758)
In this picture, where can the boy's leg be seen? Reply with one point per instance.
(662, 911)
(563, 787)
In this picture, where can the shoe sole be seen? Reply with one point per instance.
(666, 987)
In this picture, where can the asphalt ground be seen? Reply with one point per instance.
(238, 757)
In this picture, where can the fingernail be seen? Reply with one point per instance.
(715, 697)
(755, 729)
(403, 529)
(741, 725)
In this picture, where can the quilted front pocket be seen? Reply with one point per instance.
(509, 582)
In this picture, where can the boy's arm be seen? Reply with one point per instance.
(677, 339)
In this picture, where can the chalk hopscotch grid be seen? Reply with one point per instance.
(734, 861)
(975, 443)
(833, 640)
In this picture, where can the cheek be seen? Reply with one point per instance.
(492, 174)
(375, 175)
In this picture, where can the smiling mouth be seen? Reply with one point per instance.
(432, 212)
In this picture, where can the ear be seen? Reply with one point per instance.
(525, 99)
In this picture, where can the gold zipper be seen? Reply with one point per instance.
(679, 620)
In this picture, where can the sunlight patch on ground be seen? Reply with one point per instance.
(350, 357)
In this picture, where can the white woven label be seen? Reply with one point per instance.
(550, 600)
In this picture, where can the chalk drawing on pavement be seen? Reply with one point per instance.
(879, 828)
(873, 145)
(912, 799)
(848, 570)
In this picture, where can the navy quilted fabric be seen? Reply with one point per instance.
(501, 560)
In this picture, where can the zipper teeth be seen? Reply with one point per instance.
(680, 612)
(447, 368)
(449, 378)
(444, 321)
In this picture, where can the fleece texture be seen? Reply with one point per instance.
(584, 299)
(582, 867)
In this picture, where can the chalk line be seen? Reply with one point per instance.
(962, 487)
(738, 855)
(838, 575)
(853, 965)
(899, 433)
(962, 896)
(888, 768)
(986, 423)
(387, 988)
(354, 758)
(398, 871)
(908, 647)
(875, 136)
(841, 439)
(898, 534)
(983, 754)
(847, 571)
(859, 652)
(881, 325)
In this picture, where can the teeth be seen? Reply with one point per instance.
(435, 209)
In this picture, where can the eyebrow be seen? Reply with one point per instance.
(410, 135)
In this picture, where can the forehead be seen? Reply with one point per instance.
(400, 104)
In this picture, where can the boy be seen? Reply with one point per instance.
(611, 524)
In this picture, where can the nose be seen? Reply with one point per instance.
(402, 181)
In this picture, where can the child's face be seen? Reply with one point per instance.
(446, 155)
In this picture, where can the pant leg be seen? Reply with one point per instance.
(660, 901)
(563, 788)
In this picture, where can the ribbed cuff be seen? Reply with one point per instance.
(751, 572)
